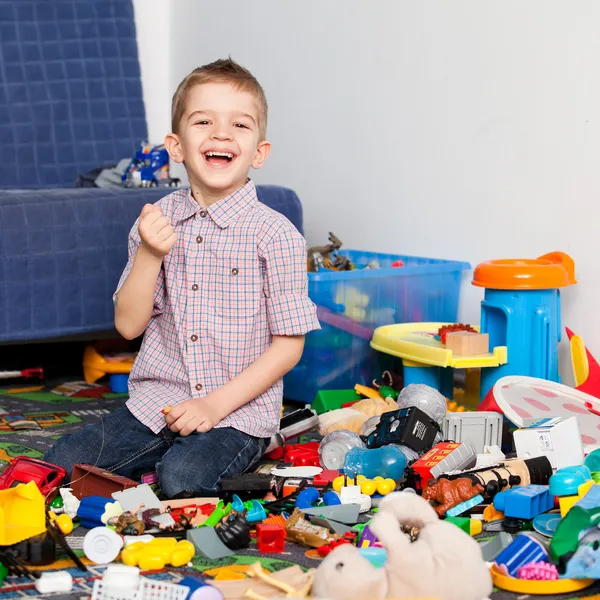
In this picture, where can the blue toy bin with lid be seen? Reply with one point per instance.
(352, 304)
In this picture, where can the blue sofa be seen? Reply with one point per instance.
(71, 101)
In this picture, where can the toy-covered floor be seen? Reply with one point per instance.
(31, 420)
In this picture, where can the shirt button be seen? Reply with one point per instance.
(195, 287)
(194, 337)
(199, 239)
(235, 271)
(203, 213)
(198, 386)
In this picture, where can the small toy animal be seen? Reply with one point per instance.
(449, 493)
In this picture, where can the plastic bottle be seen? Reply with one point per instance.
(334, 447)
(387, 461)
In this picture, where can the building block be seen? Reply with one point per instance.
(467, 343)
(524, 502)
(270, 538)
(326, 400)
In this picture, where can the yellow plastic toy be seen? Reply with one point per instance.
(96, 366)
(159, 552)
(367, 486)
(526, 586)
(22, 513)
(63, 522)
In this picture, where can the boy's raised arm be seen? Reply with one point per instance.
(135, 298)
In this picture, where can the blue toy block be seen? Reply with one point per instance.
(524, 502)
(463, 506)
(119, 383)
(525, 549)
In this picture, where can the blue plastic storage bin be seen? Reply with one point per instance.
(351, 304)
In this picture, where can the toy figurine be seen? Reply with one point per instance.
(234, 530)
(448, 493)
(129, 523)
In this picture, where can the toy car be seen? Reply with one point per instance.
(46, 476)
(149, 168)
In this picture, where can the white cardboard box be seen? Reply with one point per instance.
(558, 438)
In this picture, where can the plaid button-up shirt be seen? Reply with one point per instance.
(236, 276)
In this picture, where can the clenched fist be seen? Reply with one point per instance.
(157, 234)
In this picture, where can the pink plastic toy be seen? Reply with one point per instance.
(541, 571)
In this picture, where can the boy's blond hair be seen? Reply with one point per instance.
(223, 70)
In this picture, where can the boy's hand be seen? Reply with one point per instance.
(197, 414)
(157, 234)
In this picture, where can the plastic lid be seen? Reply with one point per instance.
(102, 545)
(553, 270)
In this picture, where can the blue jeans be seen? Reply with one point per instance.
(189, 465)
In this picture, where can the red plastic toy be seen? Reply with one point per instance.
(453, 327)
(325, 477)
(302, 455)
(270, 538)
(46, 476)
(327, 548)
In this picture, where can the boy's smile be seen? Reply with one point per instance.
(218, 140)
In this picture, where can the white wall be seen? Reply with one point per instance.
(466, 129)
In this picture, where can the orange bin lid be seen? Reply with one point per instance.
(553, 270)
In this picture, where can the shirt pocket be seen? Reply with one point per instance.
(239, 286)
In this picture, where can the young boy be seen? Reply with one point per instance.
(218, 283)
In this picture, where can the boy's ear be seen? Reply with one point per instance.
(262, 151)
(173, 146)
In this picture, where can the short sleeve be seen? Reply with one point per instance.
(133, 244)
(289, 309)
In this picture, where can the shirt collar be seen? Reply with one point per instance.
(223, 212)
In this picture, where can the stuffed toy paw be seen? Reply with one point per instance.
(346, 575)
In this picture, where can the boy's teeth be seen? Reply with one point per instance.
(227, 154)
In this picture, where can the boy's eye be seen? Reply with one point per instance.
(242, 125)
(203, 122)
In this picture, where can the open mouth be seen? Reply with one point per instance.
(219, 159)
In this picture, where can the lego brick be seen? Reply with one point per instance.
(270, 538)
(467, 343)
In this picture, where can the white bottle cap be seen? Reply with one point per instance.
(102, 545)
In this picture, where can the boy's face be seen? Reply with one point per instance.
(218, 139)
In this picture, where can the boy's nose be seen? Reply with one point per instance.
(221, 133)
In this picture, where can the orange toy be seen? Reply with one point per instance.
(96, 366)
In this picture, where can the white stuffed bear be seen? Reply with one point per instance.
(444, 562)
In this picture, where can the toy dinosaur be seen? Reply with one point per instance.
(449, 493)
